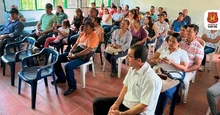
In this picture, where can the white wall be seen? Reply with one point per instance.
(2, 12)
(173, 7)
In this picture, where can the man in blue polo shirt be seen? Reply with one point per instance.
(177, 24)
(13, 28)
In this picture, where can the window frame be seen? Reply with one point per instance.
(108, 5)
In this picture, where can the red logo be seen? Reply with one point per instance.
(212, 17)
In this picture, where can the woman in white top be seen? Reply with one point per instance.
(211, 37)
(170, 57)
(106, 21)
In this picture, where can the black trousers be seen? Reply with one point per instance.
(39, 40)
(101, 106)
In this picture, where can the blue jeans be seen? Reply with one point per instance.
(69, 67)
(163, 99)
(159, 42)
(150, 42)
(107, 28)
(112, 59)
(207, 50)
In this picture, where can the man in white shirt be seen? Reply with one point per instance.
(140, 92)
(163, 28)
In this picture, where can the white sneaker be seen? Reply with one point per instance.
(202, 68)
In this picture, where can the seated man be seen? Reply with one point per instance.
(13, 28)
(187, 18)
(47, 23)
(177, 24)
(80, 53)
(163, 28)
(140, 92)
(195, 52)
(8, 18)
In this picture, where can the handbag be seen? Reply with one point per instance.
(112, 51)
(84, 57)
(167, 79)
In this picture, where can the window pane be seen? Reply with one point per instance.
(59, 2)
(98, 3)
(41, 3)
(27, 5)
(71, 4)
(89, 2)
(106, 3)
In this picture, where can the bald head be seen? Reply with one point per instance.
(185, 11)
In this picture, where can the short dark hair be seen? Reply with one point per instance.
(161, 8)
(127, 6)
(161, 15)
(182, 14)
(195, 27)
(49, 5)
(138, 7)
(185, 26)
(14, 11)
(89, 23)
(98, 20)
(140, 51)
(152, 7)
(93, 3)
(120, 7)
(164, 12)
(177, 36)
(94, 9)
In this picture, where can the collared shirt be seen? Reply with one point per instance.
(162, 26)
(91, 41)
(14, 28)
(177, 56)
(124, 41)
(211, 36)
(144, 87)
(116, 16)
(193, 49)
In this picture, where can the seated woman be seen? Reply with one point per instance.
(132, 15)
(170, 57)
(80, 53)
(61, 15)
(138, 33)
(152, 30)
(62, 33)
(121, 40)
(211, 37)
(106, 21)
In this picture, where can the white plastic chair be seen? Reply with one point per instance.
(151, 48)
(211, 54)
(119, 61)
(83, 69)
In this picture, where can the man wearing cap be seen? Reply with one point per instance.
(13, 28)
(47, 23)
(80, 53)
(163, 28)
(177, 24)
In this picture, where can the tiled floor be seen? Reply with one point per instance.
(80, 102)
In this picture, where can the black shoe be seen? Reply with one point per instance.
(58, 81)
(69, 91)
(114, 72)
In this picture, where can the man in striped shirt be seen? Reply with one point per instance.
(195, 52)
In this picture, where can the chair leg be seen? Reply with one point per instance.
(12, 66)
(93, 69)
(33, 94)
(173, 103)
(119, 67)
(208, 111)
(55, 84)
(3, 66)
(185, 94)
(193, 80)
(210, 60)
(82, 74)
(103, 67)
(19, 86)
(101, 57)
(45, 81)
